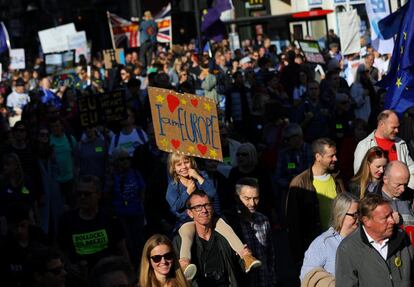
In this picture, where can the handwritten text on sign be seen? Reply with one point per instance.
(185, 123)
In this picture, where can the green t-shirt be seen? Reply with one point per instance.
(64, 156)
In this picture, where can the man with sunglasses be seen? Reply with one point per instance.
(385, 136)
(217, 263)
(377, 253)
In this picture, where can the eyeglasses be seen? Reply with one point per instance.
(124, 158)
(21, 130)
(354, 215)
(200, 207)
(167, 256)
(56, 270)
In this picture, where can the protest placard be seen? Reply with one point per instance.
(113, 56)
(185, 123)
(56, 39)
(312, 51)
(102, 108)
(56, 62)
(88, 110)
(113, 106)
(79, 43)
(17, 59)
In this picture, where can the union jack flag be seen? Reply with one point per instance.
(121, 29)
(163, 20)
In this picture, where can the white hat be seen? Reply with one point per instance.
(245, 60)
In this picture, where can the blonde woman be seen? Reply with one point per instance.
(322, 251)
(159, 264)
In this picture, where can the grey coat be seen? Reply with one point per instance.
(359, 264)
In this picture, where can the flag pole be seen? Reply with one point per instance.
(110, 29)
(198, 28)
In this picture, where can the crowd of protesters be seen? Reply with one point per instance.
(78, 204)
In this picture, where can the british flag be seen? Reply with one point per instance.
(121, 29)
(163, 19)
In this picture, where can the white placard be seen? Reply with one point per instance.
(56, 39)
(17, 59)
(349, 23)
(79, 43)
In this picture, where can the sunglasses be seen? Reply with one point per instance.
(354, 215)
(167, 256)
(57, 270)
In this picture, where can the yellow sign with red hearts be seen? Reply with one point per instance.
(185, 123)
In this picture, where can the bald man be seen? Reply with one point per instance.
(394, 189)
(385, 136)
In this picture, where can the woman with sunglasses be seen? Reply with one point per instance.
(186, 178)
(370, 173)
(159, 264)
(322, 251)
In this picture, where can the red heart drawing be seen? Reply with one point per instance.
(202, 148)
(175, 143)
(194, 102)
(173, 102)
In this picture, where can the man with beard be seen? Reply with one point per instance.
(310, 196)
(385, 136)
(377, 253)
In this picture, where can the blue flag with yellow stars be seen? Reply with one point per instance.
(399, 80)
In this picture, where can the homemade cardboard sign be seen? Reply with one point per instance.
(185, 123)
(102, 108)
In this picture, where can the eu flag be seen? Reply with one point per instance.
(400, 77)
(4, 38)
(212, 27)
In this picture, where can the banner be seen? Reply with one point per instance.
(185, 123)
(102, 108)
(377, 10)
(349, 23)
(17, 59)
(4, 38)
(163, 20)
(123, 30)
